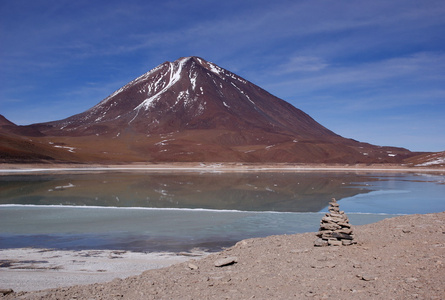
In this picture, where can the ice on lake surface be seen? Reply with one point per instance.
(145, 211)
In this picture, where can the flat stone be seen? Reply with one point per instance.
(329, 226)
(193, 266)
(320, 243)
(348, 242)
(368, 277)
(327, 235)
(342, 236)
(327, 219)
(344, 224)
(339, 215)
(222, 262)
(344, 231)
(334, 242)
(338, 220)
(330, 219)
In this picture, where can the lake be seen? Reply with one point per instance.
(181, 210)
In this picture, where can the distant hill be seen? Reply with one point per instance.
(192, 110)
(436, 159)
(5, 122)
(18, 144)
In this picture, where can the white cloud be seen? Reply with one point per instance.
(353, 57)
(397, 71)
(302, 64)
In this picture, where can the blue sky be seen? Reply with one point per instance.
(373, 71)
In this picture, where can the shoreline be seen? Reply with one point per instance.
(409, 252)
(8, 169)
(396, 258)
(33, 269)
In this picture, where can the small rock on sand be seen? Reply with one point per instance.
(6, 291)
(226, 261)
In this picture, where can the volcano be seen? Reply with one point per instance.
(192, 110)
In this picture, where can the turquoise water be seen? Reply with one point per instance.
(145, 211)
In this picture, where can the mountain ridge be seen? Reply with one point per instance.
(193, 110)
(184, 99)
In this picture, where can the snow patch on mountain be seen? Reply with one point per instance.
(131, 83)
(215, 69)
(175, 76)
(193, 79)
(438, 161)
(70, 149)
(224, 74)
(189, 101)
(200, 60)
(200, 109)
(242, 92)
(182, 96)
(433, 159)
(164, 142)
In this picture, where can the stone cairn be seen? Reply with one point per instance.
(335, 229)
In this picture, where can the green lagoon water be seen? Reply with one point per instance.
(179, 211)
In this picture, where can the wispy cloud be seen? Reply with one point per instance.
(357, 58)
(302, 64)
(378, 76)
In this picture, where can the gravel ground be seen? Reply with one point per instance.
(397, 258)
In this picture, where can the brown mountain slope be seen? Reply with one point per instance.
(191, 94)
(435, 159)
(19, 149)
(5, 122)
(193, 110)
(26, 144)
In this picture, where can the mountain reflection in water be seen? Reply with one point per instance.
(253, 191)
(180, 211)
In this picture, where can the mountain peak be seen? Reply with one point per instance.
(193, 110)
(189, 93)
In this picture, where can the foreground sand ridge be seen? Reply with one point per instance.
(397, 258)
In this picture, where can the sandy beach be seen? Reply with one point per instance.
(397, 258)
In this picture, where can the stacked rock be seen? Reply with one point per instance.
(335, 229)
